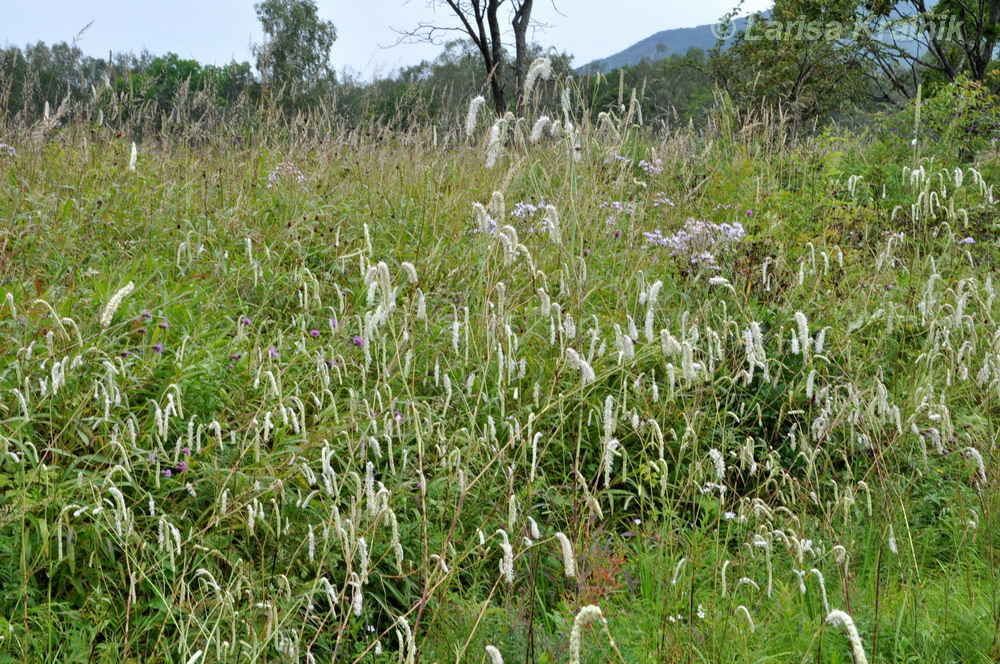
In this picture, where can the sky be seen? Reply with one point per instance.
(217, 31)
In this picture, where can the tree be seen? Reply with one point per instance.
(520, 21)
(169, 78)
(433, 89)
(947, 38)
(295, 55)
(798, 58)
(167, 74)
(675, 88)
(481, 21)
(41, 73)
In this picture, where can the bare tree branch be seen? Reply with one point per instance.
(482, 23)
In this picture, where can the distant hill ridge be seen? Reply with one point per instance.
(679, 41)
(661, 45)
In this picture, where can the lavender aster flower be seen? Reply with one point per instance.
(698, 242)
(284, 170)
(661, 200)
(523, 210)
(654, 167)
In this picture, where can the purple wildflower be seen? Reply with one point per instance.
(491, 225)
(272, 352)
(186, 451)
(660, 200)
(167, 472)
(618, 208)
(164, 325)
(282, 170)
(314, 334)
(698, 242)
(358, 341)
(654, 167)
(157, 348)
(333, 323)
(182, 466)
(147, 315)
(524, 210)
(967, 240)
(244, 320)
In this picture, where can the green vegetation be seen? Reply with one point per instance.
(698, 361)
(814, 62)
(319, 392)
(294, 59)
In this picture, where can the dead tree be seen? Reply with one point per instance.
(483, 22)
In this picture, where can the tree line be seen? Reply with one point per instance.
(809, 77)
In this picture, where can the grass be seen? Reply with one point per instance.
(347, 436)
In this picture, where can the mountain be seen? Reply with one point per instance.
(679, 40)
(661, 45)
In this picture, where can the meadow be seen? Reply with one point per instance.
(513, 391)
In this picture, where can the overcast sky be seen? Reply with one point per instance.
(216, 31)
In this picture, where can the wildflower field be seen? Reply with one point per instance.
(521, 391)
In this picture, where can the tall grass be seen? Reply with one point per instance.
(352, 416)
